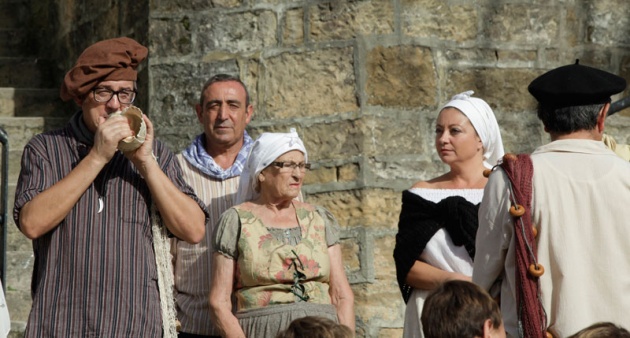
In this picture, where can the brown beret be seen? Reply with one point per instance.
(575, 85)
(107, 60)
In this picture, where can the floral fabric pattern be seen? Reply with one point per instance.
(272, 272)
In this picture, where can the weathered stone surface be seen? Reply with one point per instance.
(401, 76)
(323, 141)
(322, 80)
(530, 25)
(22, 102)
(503, 89)
(293, 31)
(19, 303)
(237, 32)
(390, 333)
(368, 208)
(607, 22)
(175, 37)
(19, 266)
(438, 19)
(348, 172)
(351, 250)
(400, 173)
(193, 5)
(327, 174)
(340, 20)
(375, 302)
(397, 134)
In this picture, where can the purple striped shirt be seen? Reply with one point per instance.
(95, 273)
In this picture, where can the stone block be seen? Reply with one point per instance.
(322, 81)
(25, 102)
(607, 23)
(25, 73)
(393, 133)
(321, 175)
(19, 270)
(380, 208)
(368, 208)
(348, 172)
(351, 255)
(16, 241)
(438, 19)
(344, 20)
(134, 18)
(379, 301)
(344, 205)
(293, 27)
(529, 25)
(522, 133)
(170, 38)
(340, 140)
(193, 5)
(390, 333)
(20, 131)
(504, 89)
(401, 76)
(19, 303)
(13, 13)
(228, 31)
(400, 173)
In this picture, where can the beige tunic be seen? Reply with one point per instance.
(580, 207)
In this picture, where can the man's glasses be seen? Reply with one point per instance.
(125, 96)
(290, 166)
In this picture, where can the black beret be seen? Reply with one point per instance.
(575, 85)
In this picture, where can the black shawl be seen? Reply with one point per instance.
(421, 219)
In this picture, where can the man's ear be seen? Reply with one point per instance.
(601, 117)
(78, 101)
(487, 328)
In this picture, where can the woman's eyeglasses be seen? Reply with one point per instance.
(290, 166)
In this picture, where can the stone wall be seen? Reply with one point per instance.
(361, 81)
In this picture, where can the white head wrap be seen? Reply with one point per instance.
(485, 123)
(266, 149)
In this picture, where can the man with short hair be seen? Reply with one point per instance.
(212, 165)
(97, 216)
(553, 230)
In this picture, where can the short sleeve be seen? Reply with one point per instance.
(35, 176)
(226, 234)
(333, 230)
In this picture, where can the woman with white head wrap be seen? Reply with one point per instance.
(438, 219)
(279, 258)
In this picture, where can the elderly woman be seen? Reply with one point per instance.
(438, 221)
(279, 258)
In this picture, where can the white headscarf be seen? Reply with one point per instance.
(266, 149)
(485, 123)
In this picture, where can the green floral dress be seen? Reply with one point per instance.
(281, 274)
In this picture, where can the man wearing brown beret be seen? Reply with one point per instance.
(97, 216)
(553, 227)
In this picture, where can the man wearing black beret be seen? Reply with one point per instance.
(553, 226)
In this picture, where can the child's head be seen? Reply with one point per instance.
(602, 330)
(461, 309)
(315, 327)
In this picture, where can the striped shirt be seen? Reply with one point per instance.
(95, 273)
(192, 262)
